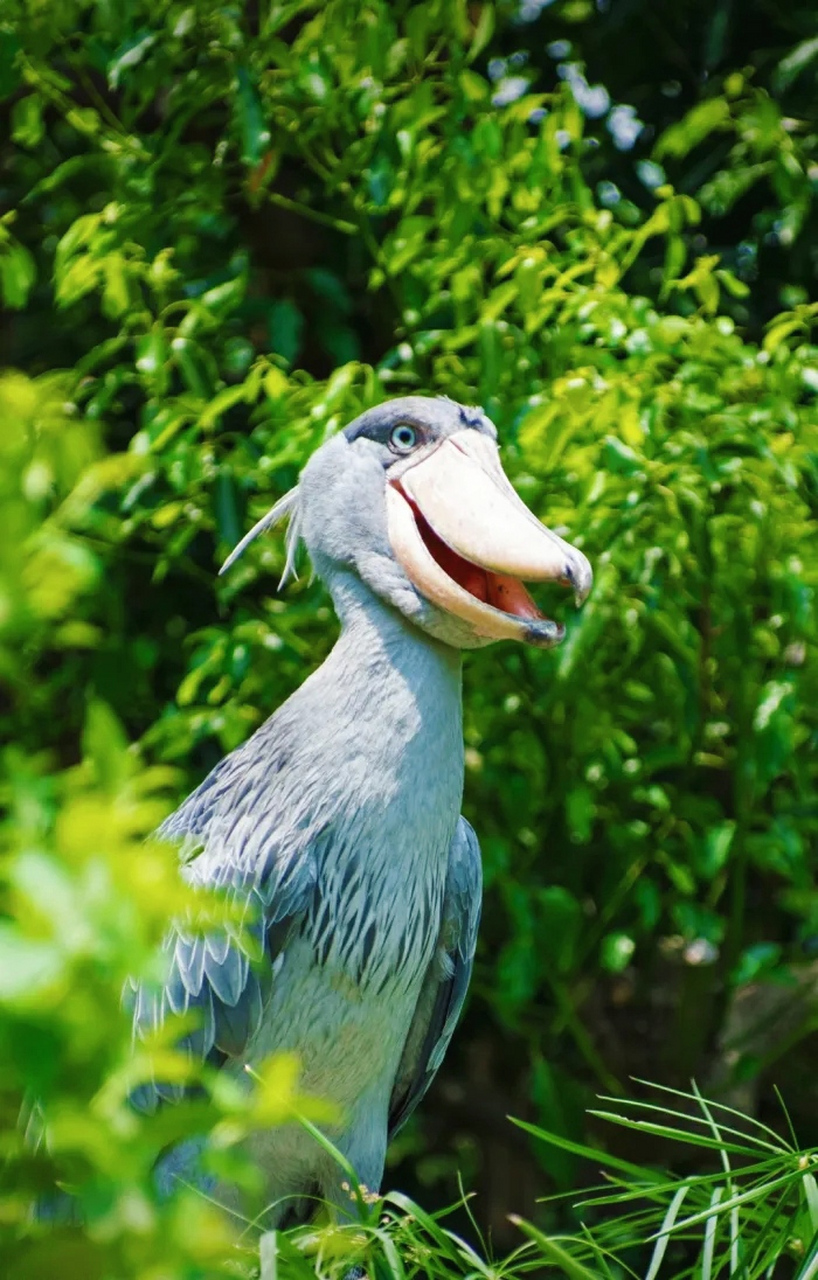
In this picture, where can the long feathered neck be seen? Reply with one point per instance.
(368, 748)
(387, 678)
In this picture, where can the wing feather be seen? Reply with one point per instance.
(189, 958)
(447, 979)
(272, 873)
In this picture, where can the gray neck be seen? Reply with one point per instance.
(381, 750)
(368, 749)
(385, 734)
(374, 738)
(387, 679)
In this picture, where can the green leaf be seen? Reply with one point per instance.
(556, 1254)
(152, 352)
(10, 72)
(580, 811)
(17, 273)
(795, 62)
(253, 130)
(116, 294)
(560, 916)
(27, 966)
(227, 515)
(286, 325)
(668, 1222)
(129, 55)
(702, 120)
(616, 952)
(27, 126)
(717, 845)
(104, 743)
(483, 32)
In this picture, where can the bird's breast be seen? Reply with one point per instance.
(376, 914)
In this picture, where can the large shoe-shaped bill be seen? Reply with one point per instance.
(467, 542)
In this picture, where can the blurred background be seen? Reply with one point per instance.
(229, 228)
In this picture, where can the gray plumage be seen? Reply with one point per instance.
(338, 825)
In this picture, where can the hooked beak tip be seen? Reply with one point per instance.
(579, 575)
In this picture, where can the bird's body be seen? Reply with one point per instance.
(339, 823)
(386, 730)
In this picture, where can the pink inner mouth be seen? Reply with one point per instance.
(501, 591)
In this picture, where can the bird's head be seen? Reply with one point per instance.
(411, 500)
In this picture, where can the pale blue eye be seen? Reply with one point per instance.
(403, 438)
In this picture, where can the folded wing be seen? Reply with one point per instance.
(447, 980)
(271, 872)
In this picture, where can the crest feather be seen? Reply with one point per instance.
(285, 508)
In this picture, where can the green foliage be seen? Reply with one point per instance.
(758, 1211)
(230, 231)
(86, 893)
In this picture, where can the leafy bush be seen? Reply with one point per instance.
(229, 231)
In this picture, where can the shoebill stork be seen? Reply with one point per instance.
(339, 819)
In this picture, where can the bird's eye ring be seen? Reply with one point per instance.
(402, 438)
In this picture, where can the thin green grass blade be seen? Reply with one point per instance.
(725, 1160)
(660, 1248)
(772, 1236)
(809, 1267)
(327, 1145)
(690, 1118)
(554, 1252)
(390, 1253)
(811, 1194)
(714, 1129)
(556, 1197)
(655, 1191)
(522, 1260)
(445, 1240)
(744, 1197)
(778, 1141)
(466, 1198)
(735, 1243)
(578, 1149)
(268, 1256)
(464, 1253)
(681, 1135)
(787, 1117)
(601, 1256)
(364, 1209)
(710, 1228)
(623, 1192)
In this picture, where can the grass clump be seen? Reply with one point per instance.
(752, 1214)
